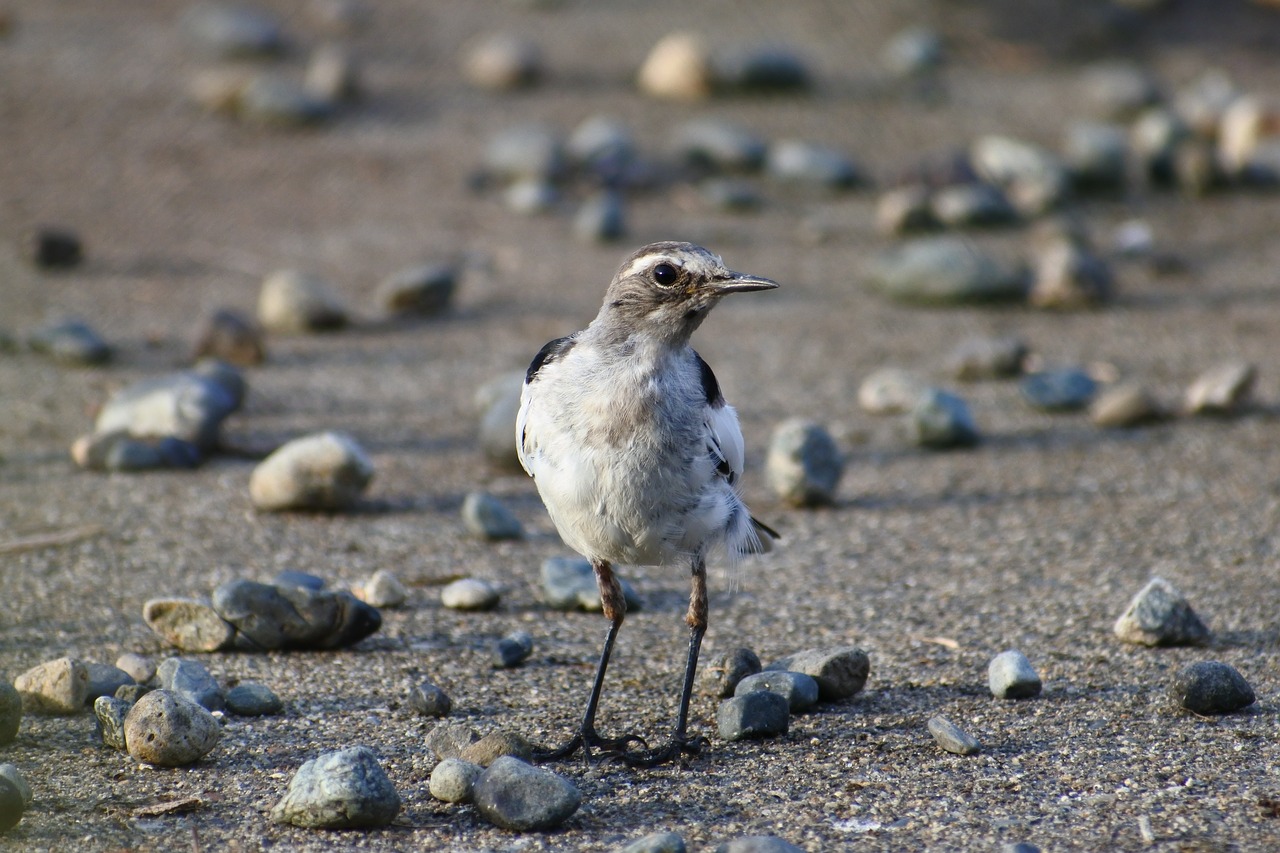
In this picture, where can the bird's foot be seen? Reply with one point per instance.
(588, 740)
(680, 745)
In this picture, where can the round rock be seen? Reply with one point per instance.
(383, 589)
(803, 465)
(487, 517)
(190, 625)
(430, 700)
(800, 690)
(677, 68)
(1068, 276)
(294, 301)
(271, 100)
(1011, 676)
(890, 391)
(14, 775)
(449, 739)
(231, 337)
(191, 680)
(11, 805)
(529, 151)
(470, 594)
(339, 790)
(1063, 389)
(723, 673)
(55, 687)
(942, 420)
(657, 842)
(140, 667)
(326, 471)
(952, 738)
(805, 163)
(601, 218)
(977, 358)
(973, 205)
(518, 796)
(501, 61)
(230, 31)
(841, 671)
(513, 650)
(1160, 615)
(499, 410)
(719, 146)
(453, 780)
(52, 247)
(495, 745)
(251, 699)
(1212, 687)
(1125, 405)
(168, 730)
(70, 342)
(759, 69)
(105, 679)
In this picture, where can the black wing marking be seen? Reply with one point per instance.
(549, 353)
(710, 385)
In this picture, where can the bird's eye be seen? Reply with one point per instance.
(665, 274)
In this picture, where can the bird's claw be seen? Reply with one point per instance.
(679, 746)
(607, 748)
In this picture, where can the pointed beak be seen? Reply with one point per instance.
(736, 282)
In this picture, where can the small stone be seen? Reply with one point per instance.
(531, 197)
(602, 145)
(657, 842)
(189, 406)
(1097, 155)
(971, 205)
(799, 162)
(421, 291)
(1011, 676)
(70, 342)
(677, 68)
(191, 680)
(974, 359)
(1154, 140)
(1125, 405)
(904, 210)
(730, 194)
(131, 693)
(757, 844)
(1020, 847)
(448, 740)
(759, 69)
(952, 738)
(1212, 687)
(495, 745)
(11, 805)
(333, 76)
(383, 589)
(518, 796)
(800, 690)
(487, 517)
(841, 671)
(601, 218)
(723, 673)
(339, 790)
(429, 700)
(569, 583)
(169, 730)
(912, 52)
(1069, 276)
(513, 650)
(803, 465)
(1159, 615)
(1222, 390)
(890, 391)
(1034, 179)
(761, 713)
(498, 420)
(285, 617)
(14, 775)
(470, 594)
(1119, 90)
(530, 151)
(942, 420)
(54, 687)
(1059, 390)
(251, 699)
(943, 271)
(190, 625)
(104, 680)
(324, 471)
(293, 301)
(10, 712)
(231, 337)
(719, 146)
(454, 780)
(501, 61)
(1244, 126)
(220, 90)
(271, 100)
(52, 247)
(231, 32)
(110, 713)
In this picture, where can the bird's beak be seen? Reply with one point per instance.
(736, 282)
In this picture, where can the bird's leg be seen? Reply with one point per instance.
(615, 610)
(696, 618)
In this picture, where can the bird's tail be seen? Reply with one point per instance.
(762, 540)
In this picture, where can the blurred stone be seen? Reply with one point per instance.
(904, 210)
(1212, 687)
(333, 76)
(470, 594)
(1059, 390)
(232, 337)
(601, 218)
(325, 471)
(339, 790)
(52, 247)
(429, 700)
(890, 391)
(569, 583)
(301, 580)
(10, 712)
(168, 730)
(271, 100)
(383, 589)
(422, 291)
(1032, 178)
(498, 422)
(1011, 676)
(1222, 390)
(722, 674)
(189, 406)
(1119, 90)
(190, 625)
(220, 90)
(806, 163)
(730, 194)
(1097, 155)
(341, 17)
(803, 465)
(979, 358)
(487, 517)
(800, 690)
(943, 271)
(1068, 276)
(719, 146)
(453, 780)
(251, 699)
(292, 301)
(191, 680)
(70, 342)
(531, 196)
(602, 145)
(54, 687)
(757, 714)
(1125, 405)
(497, 745)
(912, 52)
(231, 32)
(942, 420)
(677, 68)
(972, 204)
(952, 738)
(139, 667)
(528, 151)
(1244, 125)
(501, 61)
(759, 69)
(514, 795)
(1159, 615)
(1196, 169)
(1133, 238)
(841, 671)
(1154, 139)
(11, 805)
(513, 650)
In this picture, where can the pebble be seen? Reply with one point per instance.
(759, 69)
(189, 406)
(601, 218)
(425, 290)
(980, 358)
(657, 842)
(527, 151)
(1160, 615)
(1119, 90)
(1069, 276)
(730, 194)
(973, 204)
(131, 693)
(429, 700)
(531, 196)
(339, 790)
(219, 90)
(72, 342)
(890, 391)
(501, 62)
(569, 583)
(495, 745)
(904, 210)
(803, 465)
(139, 667)
(11, 805)
(1241, 131)
(1154, 139)
(110, 713)
(500, 407)
(14, 775)
(333, 76)
(323, 471)
(52, 247)
(271, 100)
(806, 163)
(719, 146)
(251, 699)
(841, 671)
(383, 589)
(800, 690)
(1034, 179)
(723, 673)
(757, 714)
(943, 271)
(232, 337)
(518, 796)
(168, 730)
(1097, 155)
(1063, 389)
(293, 301)
(190, 625)
(513, 650)
(448, 740)
(912, 52)
(10, 712)
(952, 738)
(191, 680)
(487, 517)
(677, 68)
(942, 420)
(231, 32)
(602, 144)
(470, 594)
(1203, 102)
(105, 679)
(1212, 687)
(1222, 390)
(55, 687)
(1011, 676)
(282, 617)
(757, 844)
(454, 780)
(1125, 405)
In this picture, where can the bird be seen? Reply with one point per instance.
(637, 456)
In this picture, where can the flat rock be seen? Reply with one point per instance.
(1159, 615)
(759, 69)
(190, 625)
(1065, 389)
(715, 146)
(890, 391)
(55, 687)
(10, 712)
(282, 617)
(800, 690)
(425, 290)
(841, 671)
(111, 713)
(430, 700)
(1221, 390)
(1212, 687)
(495, 745)
(569, 583)
(943, 271)
(487, 517)
(803, 464)
(755, 714)
(721, 675)
(251, 699)
(273, 100)
(450, 739)
(979, 358)
(71, 342)
(1125, 405)
(942, 420)
(470, 594)
(1011, 676)
(952, 738)
(453, 780)
(169, 730)
(518, 796)
(191, 680)
(339, 790)
(324, 471)
(293, 301)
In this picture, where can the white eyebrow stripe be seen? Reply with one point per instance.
(646, 261)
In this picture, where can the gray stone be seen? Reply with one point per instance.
(1154, 140)
(530, 151)
(912, 52)
(723, 673)
(601, 218)
(10, 712)
(800, 690)
(422, 291)
(230, 32)
(808, 164)
(1212, 687)
(987, 358)
(1069, 276)
(602, 145)
(449, 740)
(943, 271)
(301, 580)
(14, 775)
(251, 699)
(190, 625)
(429, 700)
(333, 76)
(841, 671)
(1125, 405)
(1159, 615)
(105, 679)
(271, 100)
(1011, 676)
(513, 650)
(70, 342)
(1063, 389)
(498, 421)
(139, 667)
(735, 195)
(518, 796)
(972, 204)
(54, 687)
(110, 713)
(569, 583)
(1034, 179)
(1097, 155)
(231, 337)
(657, 842)
(283, 617)
(952, 738)
(131, 693)
(324, 471)
(904, 210)
(470, 594)
(292, 301)
(117, 451)
(803, 465)
(759, 69)
(890, 391)
(757, 844)
(495, 745)
(501, 61)
(191, 680)
(1119, 89)
(757, 714)
(169, 730)
(11, 805)
(487, 517)
(942, 420)
(383, 589)
(51, 247)
(339, 790)
(1222, 390)
(454, 780)
(719, 146)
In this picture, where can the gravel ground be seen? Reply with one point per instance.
(933, 562)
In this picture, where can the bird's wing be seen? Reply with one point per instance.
(526, 444)
(724, 436)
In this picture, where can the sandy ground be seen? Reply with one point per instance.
(1034, 540)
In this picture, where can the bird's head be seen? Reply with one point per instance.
(667, 290)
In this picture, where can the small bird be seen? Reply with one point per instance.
(637, 455)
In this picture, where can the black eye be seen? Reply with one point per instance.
(665, 274)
